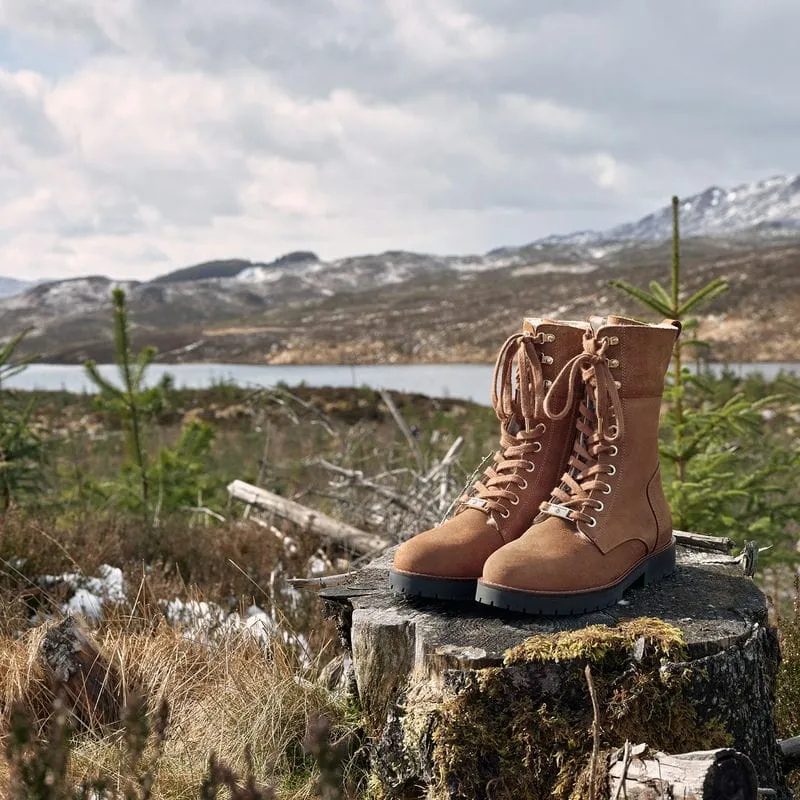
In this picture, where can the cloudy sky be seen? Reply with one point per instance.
(137, 136)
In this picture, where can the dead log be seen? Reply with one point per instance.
(478, 704)
(790, 749)
(78, 673)
(640, 774)
(314, 521)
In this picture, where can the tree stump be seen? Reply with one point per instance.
(91, 686)
(468, 703)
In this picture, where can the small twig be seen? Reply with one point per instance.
(204, 510)
(626, 762)
(479, 470)
(356, 477)
(324, 581)
(595, 733)
(405, 430)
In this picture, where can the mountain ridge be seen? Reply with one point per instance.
(260, 313)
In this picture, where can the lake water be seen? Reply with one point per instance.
(462, 381)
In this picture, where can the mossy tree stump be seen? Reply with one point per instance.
(466, 702)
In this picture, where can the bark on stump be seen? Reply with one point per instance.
(452, 691)
(77, 671)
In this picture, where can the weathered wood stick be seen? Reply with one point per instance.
(707, 775)
(720, 544)
(404, 429)
(323, 581)
(314, 521)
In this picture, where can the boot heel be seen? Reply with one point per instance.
(661, 565)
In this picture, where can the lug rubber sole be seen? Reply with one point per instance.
(433, 588)
(652, 569)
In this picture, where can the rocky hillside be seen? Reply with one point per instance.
(399, 306)
(12, 286)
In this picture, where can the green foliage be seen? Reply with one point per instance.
(176, 476)
(728, 474)
(179, 476)
(20, 448)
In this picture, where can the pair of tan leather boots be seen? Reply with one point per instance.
(571, 513)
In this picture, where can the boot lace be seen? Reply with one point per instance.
(599, 425)
(518, 389)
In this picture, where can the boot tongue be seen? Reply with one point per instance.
(596, 322)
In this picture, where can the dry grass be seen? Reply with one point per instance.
(224, 698)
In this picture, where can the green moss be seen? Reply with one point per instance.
(503, 737)
(598, 642)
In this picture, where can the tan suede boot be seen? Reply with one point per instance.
(445, 562)
(607, 525)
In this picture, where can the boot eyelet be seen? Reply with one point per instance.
(532, 467)
(547, 359)
(547, 384)
(613, 470)
(593, 522)
(515, 501)
(607, 490)
(600, 505)
(537, 447)
(613, 363)
(613, 451)
(506, 515)
(524, 485)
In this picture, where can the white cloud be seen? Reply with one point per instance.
(139, 135)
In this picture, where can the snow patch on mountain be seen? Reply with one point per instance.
(70, 296)
(774, 202)
(770, 206)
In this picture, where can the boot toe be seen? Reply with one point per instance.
(456, 549)
(552, 558)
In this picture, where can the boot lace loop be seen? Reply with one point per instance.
(518, 390)
(596, 432)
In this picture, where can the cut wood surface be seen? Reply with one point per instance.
(316, 522)
(403, 650)
(723, 774)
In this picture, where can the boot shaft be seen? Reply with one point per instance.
(615, 455)
(638, 354)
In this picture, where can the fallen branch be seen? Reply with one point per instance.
(307, 518)
(639, 774)
(356, 477)
(701, 541)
